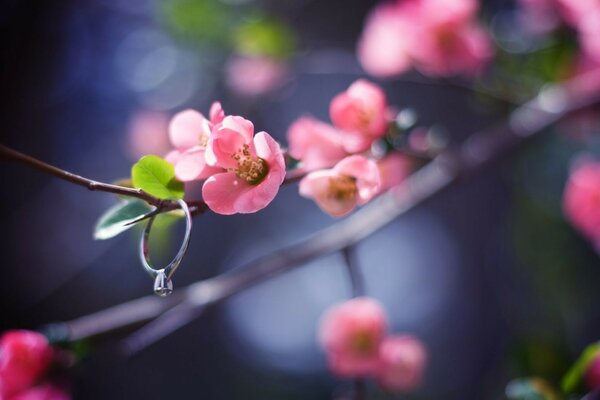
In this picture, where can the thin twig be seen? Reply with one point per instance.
(354, 272)
(473, 156)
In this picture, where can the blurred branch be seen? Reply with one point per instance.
(354, 272)
(482, 148)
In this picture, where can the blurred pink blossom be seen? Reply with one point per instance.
(189, 131)
(438, 37)
(393, 170)
(353, 181)
(592, 373)
(581, 200)
(24, 358)
(361, 113)
(46, 391)
(147, 133)
(254, 75)
(315, 143)
(254, 164)
(350, 334)
(402, 360)
(383, 48)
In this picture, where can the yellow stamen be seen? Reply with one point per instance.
(342, 188)
(251, 169)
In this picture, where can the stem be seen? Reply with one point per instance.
(354, 272)
(472, 157)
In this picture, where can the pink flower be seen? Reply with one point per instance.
(350, 334)
(189, 131)
(254, 164)
(353, 181)
(315, 143)
(383, 48)
(147, 133)
(446, 50)
(581, 200)
(361, 113)
(24, 358)
(393, 170)
(255, 75)
(402, 361)
(592, 373)
(438, 37)
(45, 391)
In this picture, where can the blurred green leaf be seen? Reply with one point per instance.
(530, 389)
(265, 37)
(198, 20)
(156, 176)
(115, 220)
(574, 376)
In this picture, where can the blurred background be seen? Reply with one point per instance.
(488, 273)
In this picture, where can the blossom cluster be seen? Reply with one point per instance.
(25, 358)
(354, 337)
(242, 171)
(438, 37)
(342, 174)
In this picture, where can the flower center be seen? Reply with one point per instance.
(342, 188)
(203, 140)
(251, 169)
(363, 343)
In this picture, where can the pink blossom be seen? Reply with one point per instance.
(361, 112)
(589, 34)
(446, 50)
(45, 391)
(255, 75)
(147, 133)
(189, 131)
(254, 166)
(315, 143)
(24, 358)
(592, 373)
(353, 181)
(581, 200)
(350, 334)
(383, 48)
(438, 37)
(393, 170)
(402, 361)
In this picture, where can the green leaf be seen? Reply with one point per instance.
(115, 220)
(530, 389)
(574, 376)
(156, 176)
(265, 36)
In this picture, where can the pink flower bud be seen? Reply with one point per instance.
(353, 181)
(361, 113)
(24, 358)
(581, 200)
(350, 333)
(592, 373)
(254, 165)
(402, 361)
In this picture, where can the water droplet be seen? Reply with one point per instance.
(163, 286)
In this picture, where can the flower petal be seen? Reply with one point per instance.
(186, 128)
(221, 191)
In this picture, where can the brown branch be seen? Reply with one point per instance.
(473, 156)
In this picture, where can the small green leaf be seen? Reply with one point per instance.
(574, 376)
(530, 389)
(265, 36)
(115, 220)
(156, 176)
